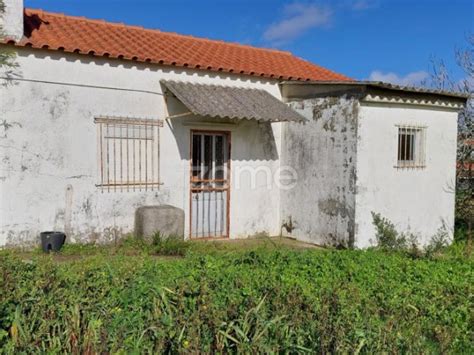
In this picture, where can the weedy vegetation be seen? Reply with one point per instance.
(219, 297)
(171, 245)
(389, 239)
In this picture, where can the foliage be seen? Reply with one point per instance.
(438, 243)
(260, 300)
(6, 56)
(441, 79)
(386, 235)
(389, 239)
(465, 203)
(169, 245)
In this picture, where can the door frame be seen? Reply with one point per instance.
(228, 134)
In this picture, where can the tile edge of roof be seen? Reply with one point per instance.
(155, 30)
(24, 43)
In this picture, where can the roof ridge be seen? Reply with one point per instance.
(154, 30)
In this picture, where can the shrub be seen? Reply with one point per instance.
(389, 239)
(460, 231)
(413, 246)
(438, 242)
(386, 235)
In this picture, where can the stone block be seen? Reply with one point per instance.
(167, 220)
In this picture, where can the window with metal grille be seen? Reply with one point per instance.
(129, 153)
(411, 146)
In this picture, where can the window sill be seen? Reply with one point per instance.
(129, 187)
(142, 184)
(400, 167)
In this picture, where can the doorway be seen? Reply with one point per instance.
(209, 184)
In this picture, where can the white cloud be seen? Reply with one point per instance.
(411, 79)
(298, 18)
(360, 5)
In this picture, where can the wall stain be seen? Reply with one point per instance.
(58, 105)
(5, 126)
(333, 207)
(324, 154)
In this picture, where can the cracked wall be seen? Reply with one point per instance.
(323, 153)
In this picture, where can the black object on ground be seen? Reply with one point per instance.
(52, 241)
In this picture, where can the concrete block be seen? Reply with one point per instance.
(167, 220)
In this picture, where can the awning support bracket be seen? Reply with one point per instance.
(180, 115)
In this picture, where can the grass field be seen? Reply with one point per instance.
(266, 295)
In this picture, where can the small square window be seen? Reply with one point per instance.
(411, 147)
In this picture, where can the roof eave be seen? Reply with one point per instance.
(366, 86)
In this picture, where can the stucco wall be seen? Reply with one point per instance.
(48, 148)
(419, 201)
(322, 151)
(11, 20)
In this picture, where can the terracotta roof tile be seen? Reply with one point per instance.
(99, 38)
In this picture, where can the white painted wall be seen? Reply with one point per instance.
(322, 151)
(416, 200)
(48, 154)
(48, 148)
(11, 21)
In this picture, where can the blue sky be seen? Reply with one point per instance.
(390, 40)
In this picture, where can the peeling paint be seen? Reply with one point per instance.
(323, 152)
(5, 126)
(56, 147)
(333, 207)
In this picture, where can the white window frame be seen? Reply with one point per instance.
(411, 146)
(128, 153)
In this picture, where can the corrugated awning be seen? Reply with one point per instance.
(231, 102)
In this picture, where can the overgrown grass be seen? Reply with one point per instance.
(169, 245)
(159, 245)
(261, 299)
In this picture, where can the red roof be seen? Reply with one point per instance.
(104, 39)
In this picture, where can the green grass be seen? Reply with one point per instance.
(258, 296)
(159, 247)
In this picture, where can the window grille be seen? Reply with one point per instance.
(129, 154)
(411, 147)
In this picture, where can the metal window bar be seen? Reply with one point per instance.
(115, 160)
(411, 146)
(139, 155)
(128, 158)
(125, 146)
(107, 161)
(121, 154)
(209, 185)
(146, 157)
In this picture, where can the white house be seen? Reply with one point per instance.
(99, 119)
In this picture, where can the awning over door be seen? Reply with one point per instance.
(231, 102)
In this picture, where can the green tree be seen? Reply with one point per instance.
(442, 80)
(7, 56)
